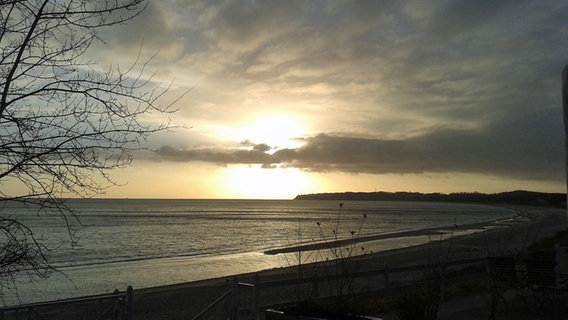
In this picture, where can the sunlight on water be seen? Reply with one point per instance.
(146, 243)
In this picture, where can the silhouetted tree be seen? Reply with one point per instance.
(64, 122)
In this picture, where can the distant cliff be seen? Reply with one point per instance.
(513, 197)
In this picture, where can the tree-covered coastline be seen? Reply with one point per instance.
(519, 197)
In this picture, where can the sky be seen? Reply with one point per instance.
(296, 97)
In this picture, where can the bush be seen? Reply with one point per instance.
(418, 305)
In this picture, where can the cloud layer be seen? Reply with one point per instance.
(441, 151)
(388, 86)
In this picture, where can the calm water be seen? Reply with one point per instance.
(147, 243)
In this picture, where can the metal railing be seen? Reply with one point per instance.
(114, 306)
(234, 295)
(389, 284)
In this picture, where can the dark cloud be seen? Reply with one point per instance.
(466, 17)
(435, 86)
(262, 147)
(218, 156)
(443, 150)
(246, 25)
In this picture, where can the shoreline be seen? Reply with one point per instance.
(394, 235)
(87, 279)
(504, 236)
(500, 236)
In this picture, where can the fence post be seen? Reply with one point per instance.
(235, 299)
(488, 281)
(256, 296)
(115, 305)
(442, 286)
(387, 285)
(315, 285)
(129, 303)
(565, 116)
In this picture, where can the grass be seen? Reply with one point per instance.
(549, 244)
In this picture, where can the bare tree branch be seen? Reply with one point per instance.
(64, 123)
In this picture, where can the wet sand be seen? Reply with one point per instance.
(480, 226)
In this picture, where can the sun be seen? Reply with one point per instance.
(278, 131)
(255, 182)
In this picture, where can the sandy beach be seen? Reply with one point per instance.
(184, 301)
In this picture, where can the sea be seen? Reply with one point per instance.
(116, 243)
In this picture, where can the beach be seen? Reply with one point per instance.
(184, 301)
(147, 243)
(502, 237)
